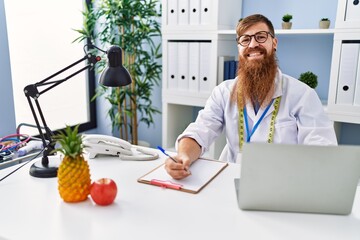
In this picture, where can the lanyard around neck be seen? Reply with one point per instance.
(243, 116)
(249, 134)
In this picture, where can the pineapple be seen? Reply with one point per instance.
(73, 174)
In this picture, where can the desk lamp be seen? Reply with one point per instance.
(114, 75)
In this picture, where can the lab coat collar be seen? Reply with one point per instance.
(278, 84)
(278, 92)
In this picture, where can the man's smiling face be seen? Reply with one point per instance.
(255, 50)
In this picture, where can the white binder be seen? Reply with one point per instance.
(172, 12)
(194, 12)
(183, 12)
(183, 65)
(352, 11)
(172, 63)
(205, 13)
(347, 73)
(357, 84)
(205, 57)
(194, 65)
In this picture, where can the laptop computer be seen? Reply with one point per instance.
(298, 178)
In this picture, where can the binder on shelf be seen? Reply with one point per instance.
(232, 69)
(347, 73)
(194, 65)
(194, 8)
(203, 171)
(205, 63)
(183, 65)
(227, 70)
(172, 12)
(183, 12)
(222, 71)
(172, 65)
(205, 12)
(352, 11)
(357, 84)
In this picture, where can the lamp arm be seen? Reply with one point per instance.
(46, 153)
(63, 70)
(92, 61)
(31, 91)
(57, 82)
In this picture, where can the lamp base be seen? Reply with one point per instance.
(41, 171)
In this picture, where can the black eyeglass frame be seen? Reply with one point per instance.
(254, 36)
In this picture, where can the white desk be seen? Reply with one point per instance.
(30, 208)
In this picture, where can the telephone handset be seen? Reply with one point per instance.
(96, 144)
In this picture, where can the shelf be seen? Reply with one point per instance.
(288, 31)
(185, 98)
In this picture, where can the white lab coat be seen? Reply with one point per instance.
(300, 120)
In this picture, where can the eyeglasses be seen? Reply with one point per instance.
(260, 37)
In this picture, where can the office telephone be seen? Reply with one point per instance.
(95, 144)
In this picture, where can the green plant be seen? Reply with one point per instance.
(287, 18)
(324, 19)
(309, 78)
(133, 25)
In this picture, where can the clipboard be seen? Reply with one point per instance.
(203, 171)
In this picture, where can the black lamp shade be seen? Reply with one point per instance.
(115, 75)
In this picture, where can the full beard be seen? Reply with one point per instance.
(256, 80)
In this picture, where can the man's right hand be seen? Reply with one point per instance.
(188, 151)
(178, 170)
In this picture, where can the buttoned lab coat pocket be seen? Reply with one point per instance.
(286, 132)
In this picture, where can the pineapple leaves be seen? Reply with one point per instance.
(70, 142)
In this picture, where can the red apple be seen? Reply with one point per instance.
(103, 191)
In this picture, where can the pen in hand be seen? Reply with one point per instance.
(166, 154)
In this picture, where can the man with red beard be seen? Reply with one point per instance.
(261, 105)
